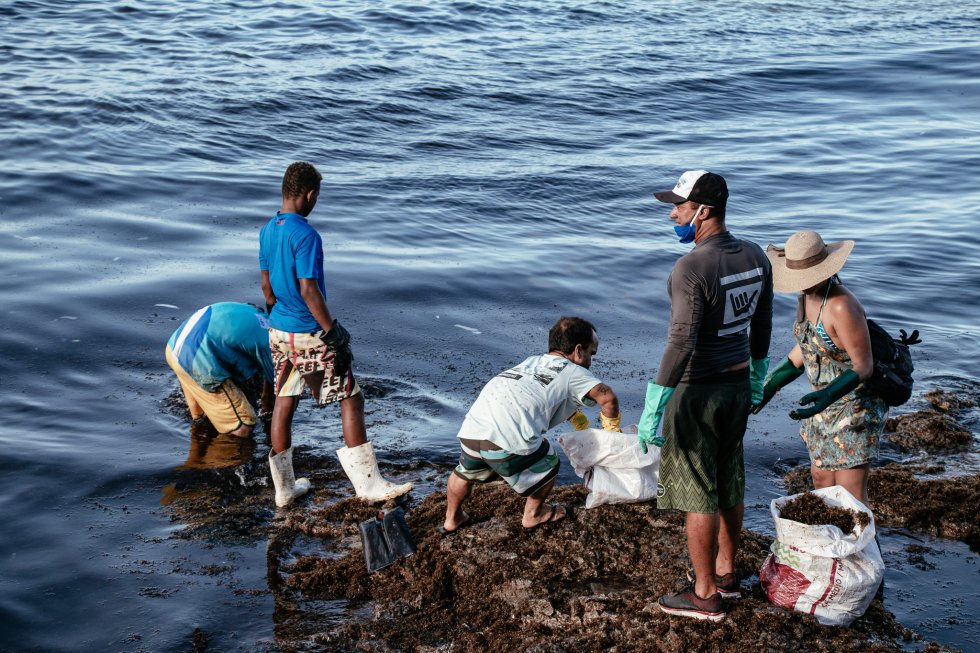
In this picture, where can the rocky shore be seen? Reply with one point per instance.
(587, 583)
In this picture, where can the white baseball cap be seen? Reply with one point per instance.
(698, 186)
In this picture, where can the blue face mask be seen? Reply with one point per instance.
(686, 232)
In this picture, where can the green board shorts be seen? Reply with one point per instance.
(482, 461)
(701, 463)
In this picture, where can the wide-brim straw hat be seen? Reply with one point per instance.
(806, 261)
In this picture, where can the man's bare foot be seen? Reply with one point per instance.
(453, 525)
(548, 513)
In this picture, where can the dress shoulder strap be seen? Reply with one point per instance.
(824, 302)
(819, 325)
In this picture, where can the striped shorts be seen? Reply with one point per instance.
(481, 461)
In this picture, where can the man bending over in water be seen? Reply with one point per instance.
(214, 353)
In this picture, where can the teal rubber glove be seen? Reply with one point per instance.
(784, 373)
(653, 410)
(823, 398)
(757, 375)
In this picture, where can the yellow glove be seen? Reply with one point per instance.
(579, 421)
(611, 423)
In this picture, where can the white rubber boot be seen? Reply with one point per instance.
(288, 487)
(361, 468)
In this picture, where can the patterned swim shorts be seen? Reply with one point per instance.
(482, 461)
(702, 463)
(303, 359)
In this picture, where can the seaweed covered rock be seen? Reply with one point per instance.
(935, 429)
(589, 582)
(948, 402)
(798, 480)
(929, 431)
(944, 507)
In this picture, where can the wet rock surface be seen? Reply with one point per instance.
(589, 582)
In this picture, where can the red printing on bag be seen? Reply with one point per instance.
(833, 583)
(782, 584)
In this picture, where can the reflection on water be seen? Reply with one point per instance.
(211, 450)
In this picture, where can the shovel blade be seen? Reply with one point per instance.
(385, 539)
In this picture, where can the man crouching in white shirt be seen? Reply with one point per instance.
(502, 434)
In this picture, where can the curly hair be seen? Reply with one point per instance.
(301, 177)
(568, 332)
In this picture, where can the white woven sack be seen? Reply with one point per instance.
(612, 465)
(820, 570)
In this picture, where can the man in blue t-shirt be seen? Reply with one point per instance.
(309, 347)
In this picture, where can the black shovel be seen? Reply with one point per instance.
(385, 539)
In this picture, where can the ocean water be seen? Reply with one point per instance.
(486, 170)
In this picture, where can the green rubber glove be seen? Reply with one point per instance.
(653, 410)
(757, 374)
(823, 398)
(783, 374)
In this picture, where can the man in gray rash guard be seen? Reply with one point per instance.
(714, 364)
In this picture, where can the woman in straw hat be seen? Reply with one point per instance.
(841, 420)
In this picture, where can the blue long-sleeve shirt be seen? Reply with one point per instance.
(223, 341)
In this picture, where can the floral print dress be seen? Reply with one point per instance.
(848, 432)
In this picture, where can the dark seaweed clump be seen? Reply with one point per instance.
(811, 510)
(937, 428)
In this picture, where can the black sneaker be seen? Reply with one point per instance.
(728, 585)
(689, 604)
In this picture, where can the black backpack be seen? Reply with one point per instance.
(892, 378)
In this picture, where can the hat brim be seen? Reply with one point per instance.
(787, 280)
(669, 197)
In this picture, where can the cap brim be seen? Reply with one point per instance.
(670, 197)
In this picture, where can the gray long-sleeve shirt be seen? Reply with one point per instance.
(720, 309)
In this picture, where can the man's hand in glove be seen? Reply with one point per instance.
(611, 423)
(579, 421)
(337, 340)
(653, 410)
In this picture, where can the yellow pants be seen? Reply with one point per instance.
(227, 408)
